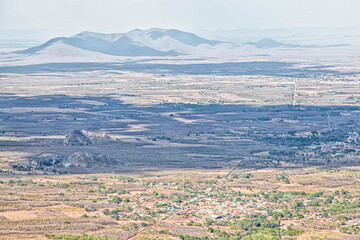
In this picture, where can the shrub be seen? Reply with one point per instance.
(117, 199)
(292, 232)
(106, 211)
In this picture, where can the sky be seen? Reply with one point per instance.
(125, 15)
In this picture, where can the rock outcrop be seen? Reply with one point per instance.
(77, 138)
(90, 160)
(46, 160)
(83, 138)
(50, 161)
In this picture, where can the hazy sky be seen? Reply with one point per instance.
(123, 15)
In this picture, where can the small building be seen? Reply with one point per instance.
(215, 217)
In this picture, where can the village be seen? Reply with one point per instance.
(188, 204)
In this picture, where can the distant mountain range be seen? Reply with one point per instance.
(152, 42)
(270, 43)
(307, 35)
(93, 46)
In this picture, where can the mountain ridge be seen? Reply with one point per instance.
(151, 42)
